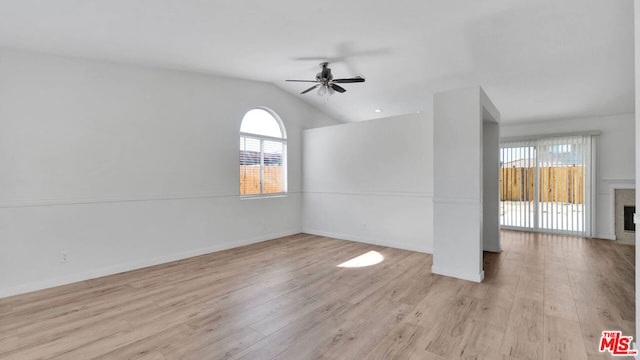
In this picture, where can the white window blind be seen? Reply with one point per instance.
(545, 184)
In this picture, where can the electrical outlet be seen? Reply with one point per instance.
(64, 256)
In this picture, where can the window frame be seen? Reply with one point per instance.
(262, 138)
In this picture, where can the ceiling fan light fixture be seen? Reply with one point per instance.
(327, 84)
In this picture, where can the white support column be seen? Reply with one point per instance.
(466, 169)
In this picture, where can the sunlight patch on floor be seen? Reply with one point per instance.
(366, 259)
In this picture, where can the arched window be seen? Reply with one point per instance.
(263, 154)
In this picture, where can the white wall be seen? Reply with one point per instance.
(371, 181)
(615, 160)
(636, 5)
(491, 186)
(460, 171)
(126, 166)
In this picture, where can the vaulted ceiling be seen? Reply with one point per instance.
(536, 59)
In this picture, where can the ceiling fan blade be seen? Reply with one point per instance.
(309, 89)
(356, 79)
(303, 80)
(338, 88)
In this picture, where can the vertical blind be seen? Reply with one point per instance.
(545, 184)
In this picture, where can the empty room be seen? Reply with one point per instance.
(318, 180)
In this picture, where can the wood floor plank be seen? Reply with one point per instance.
(544, 297)
(9, 341)
(300, 331)
(558, 299)
(297, 310)
(493, 310)
(429, 311)
(71, 342)
(482, 342)
(562, 340)
(365, 328)
(594, 320)
(397, 343)
(444, 338)
(151, 346)
(199, 346)
(531, 285)
(524, 335)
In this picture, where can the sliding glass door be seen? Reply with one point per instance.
(545, 185)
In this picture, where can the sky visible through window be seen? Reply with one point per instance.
(557, 154)
(260, 122)
(517, 153)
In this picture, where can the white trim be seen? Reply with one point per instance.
(378, 193)
(626, 242)
(606, 236)
(368, 240)
(263, 137)
(510, 139)
(616, 184)
(156, 197)
(494, 250)
(119, 268)
(452, 272)
(455, 200)
(262, 196)
(593, 214)
(629, 181)
(544, 231)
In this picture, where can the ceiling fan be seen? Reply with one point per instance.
(326, 83)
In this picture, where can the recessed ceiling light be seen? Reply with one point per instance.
(378, 110)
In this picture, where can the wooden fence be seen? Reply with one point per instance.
(557, 183)
(250, 179)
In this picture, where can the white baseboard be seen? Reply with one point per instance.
(626, 242)
(370, 240)
(458, 274)
(606, 236)
(119, 268)
(494, 250)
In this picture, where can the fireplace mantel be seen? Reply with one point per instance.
(613, 185)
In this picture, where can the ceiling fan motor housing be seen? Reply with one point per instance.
(326, 83)
(325, 75)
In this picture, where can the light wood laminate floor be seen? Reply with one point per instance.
(544, 297)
